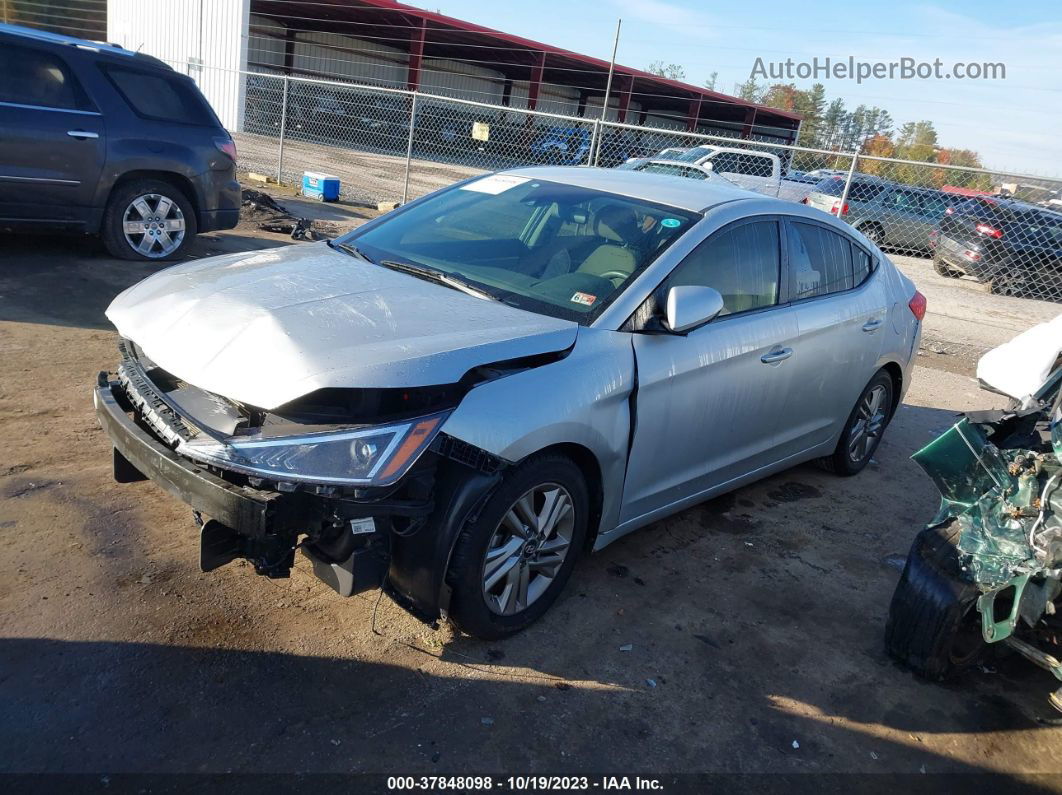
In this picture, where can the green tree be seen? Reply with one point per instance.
(672, 71)
(750, 90)
(710, 82)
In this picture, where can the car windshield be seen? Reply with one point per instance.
(693, 155)
(552, 248)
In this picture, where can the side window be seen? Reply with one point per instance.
(864, 191)
(904, 200)
(161, 97)
(862, 265)
(758, 166)
(674, 170)
(34, 77)
(933, 205)
(741, 262)
(820, 261)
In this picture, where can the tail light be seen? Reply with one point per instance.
(972, 255)
(804, 200)
(838, 206)
(917, 305)
(991, 231)
(226, 145)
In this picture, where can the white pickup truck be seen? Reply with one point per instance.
(750, 169)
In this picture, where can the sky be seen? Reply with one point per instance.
(1014, 123)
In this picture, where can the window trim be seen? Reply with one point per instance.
(875, 265)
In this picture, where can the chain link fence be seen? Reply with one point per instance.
(1003, 230)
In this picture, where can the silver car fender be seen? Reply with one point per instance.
(582, 399)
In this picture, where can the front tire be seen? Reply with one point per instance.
(864, 428)
(148, 220)
(934, 627)
(512, 562)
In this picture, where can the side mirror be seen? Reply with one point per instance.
(692, 306)
(709, 165)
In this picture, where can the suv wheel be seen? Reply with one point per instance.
(866, 424)
(148, 219)
(942, 268)
(874, 234)
(512, 562)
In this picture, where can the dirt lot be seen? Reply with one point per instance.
(755, 619)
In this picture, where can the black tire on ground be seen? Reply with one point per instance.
(943, 270)
(840, 462)
(468, 605)
(933, 626)
(874, 233)
(112, 229)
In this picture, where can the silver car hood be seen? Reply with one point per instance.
(267, 327)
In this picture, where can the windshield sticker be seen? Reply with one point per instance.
(495, 183)
(584, 298)
(671, 223)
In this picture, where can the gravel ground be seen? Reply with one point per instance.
(755, 620)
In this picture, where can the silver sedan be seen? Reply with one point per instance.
(458, 398)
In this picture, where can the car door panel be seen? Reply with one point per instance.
(838, 343)
(52, 141)
(707, 402)
(706, 407)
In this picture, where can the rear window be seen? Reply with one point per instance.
(161, 97)
(831, 186)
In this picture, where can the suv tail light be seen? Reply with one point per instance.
(838, 206)
(917, 305)
(226, 145)
(991, 231)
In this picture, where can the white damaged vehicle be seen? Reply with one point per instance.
(458, 398)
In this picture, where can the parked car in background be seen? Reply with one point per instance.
(101, 140)
(747, 168)
(460, 397)
(1014, 246)
(563, 146)
(894, 216)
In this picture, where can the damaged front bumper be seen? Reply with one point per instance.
(345, 540)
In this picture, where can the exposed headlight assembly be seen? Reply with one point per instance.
(375, 456)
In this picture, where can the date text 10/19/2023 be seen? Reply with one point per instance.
(522, 783)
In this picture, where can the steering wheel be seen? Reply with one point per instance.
(616, 277)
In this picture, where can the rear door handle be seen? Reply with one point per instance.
(82, 134)
(873, 325)
(777, 355)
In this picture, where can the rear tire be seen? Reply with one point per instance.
(864, 428)
(874, 233)
(934, 627)
(942, 269)
(479, 607)
(167, 218)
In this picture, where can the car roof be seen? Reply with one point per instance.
(46, 37)
(681, 192)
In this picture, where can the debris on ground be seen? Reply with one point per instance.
(627, 647)
(271, 216)
(487, 721)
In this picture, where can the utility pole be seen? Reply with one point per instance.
(595, 143)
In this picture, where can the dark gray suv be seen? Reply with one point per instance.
(101, 140)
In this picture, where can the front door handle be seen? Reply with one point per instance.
(777, 355)
(82, 134)
(873, 325)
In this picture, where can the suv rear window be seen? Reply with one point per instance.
(162, 98)
(34, 77)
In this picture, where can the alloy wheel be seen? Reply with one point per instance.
(153, 225)
(870, 422)
(528, 548)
